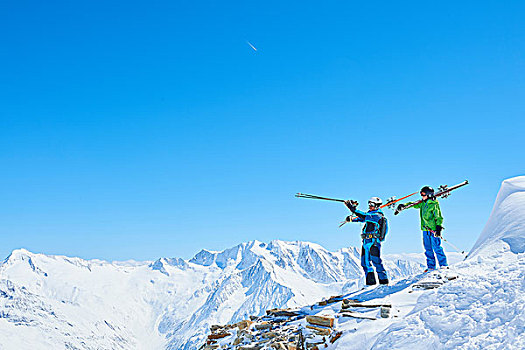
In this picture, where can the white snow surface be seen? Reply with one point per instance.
(507, 220)
(62, 302)
(483, 309)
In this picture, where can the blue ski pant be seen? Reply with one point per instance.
(371, 252)
(432, 246)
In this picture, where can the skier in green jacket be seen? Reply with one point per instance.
(431, 221)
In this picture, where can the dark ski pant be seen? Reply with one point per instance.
(432, 245)
(371, 252)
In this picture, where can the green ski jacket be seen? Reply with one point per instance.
(430, 214)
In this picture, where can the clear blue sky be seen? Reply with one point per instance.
(135, 130)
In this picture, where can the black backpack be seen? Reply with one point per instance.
(383, 228)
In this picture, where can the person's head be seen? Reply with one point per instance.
(374, 203)
(427, 192)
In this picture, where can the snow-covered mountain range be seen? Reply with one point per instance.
(170, 303)
(55, 302)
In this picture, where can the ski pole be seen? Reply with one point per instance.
(456, 248)
(444, 239)
(344, 222)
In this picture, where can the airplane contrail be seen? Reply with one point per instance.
(253, 47)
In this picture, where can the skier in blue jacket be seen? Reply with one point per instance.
(374, 231)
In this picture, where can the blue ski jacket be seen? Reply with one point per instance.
(371, 218)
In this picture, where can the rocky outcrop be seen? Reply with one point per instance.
(282, 329)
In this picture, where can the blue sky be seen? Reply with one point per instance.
(134, 130)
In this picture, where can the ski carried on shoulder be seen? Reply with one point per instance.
(443, 192)
(392, 200)
(389, 203)
(311, 196)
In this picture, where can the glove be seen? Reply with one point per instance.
(348, 219)
(350, 204)
(438, 231)
(400, 207)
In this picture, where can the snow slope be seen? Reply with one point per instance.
(483, 309)
(50, 301)
(507, 220)
(61, 302)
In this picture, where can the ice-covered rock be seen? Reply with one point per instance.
(204, 258)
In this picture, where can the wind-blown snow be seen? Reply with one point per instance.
(507, 221)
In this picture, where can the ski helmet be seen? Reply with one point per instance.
(375, 201)
(429, 191)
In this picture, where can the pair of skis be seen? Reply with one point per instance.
(389, 203)
(443, 192)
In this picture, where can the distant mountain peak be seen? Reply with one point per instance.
(178, 299)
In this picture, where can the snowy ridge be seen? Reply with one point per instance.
(168, 303)
(477, 304)
(507, 220)
(483, 309)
